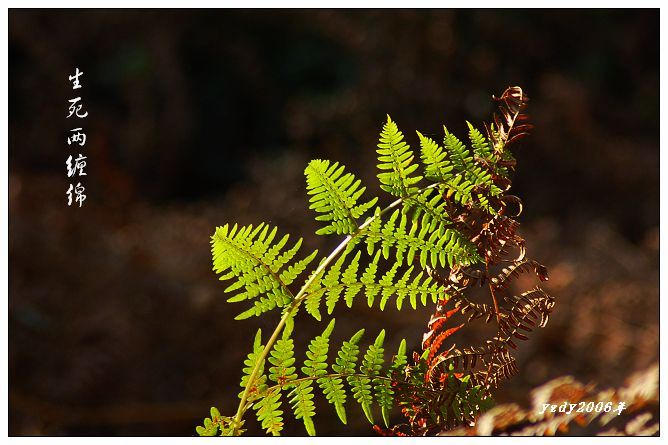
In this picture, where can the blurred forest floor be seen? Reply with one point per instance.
(118, 326)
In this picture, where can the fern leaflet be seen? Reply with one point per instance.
(335, 195)
(434, 249)
(396, 162)
(247, 255)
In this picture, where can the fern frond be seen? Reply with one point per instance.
(526, 309)
(222, 425)
(493, 359)
(369, 281)
(470, 175)
(504, 366)
(429, 207)
(211, 424)
(508, 126)
(373, 358)
(370, 367)
(331, 282)
(515, 269)
(269, 413)
(459, 155)
(395, 160)
(257, 386)
(316, 363)
(368, 381)
(247, 256)
(457, 169)
(415, 287)
(312, 304)
(334, 195)
(302, 404)
(345, 365)
(348, 354)
(437, 166)
(445, 401)
(291, 273)
(459, 189)
(325, 280)
(447, 249)
(349, 280)
(387, 289)
(282, 357)
(383, 387)
(316, 366)
(474, 310)
(333, 390)
(481, 147)
(483, 179)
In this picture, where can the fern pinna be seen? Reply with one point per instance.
(449, 226)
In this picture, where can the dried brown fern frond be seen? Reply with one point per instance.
(509, 123)
(493, 230)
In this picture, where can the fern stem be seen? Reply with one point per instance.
(301, 296)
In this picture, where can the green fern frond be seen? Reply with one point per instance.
(291, 273)
(386, 285)
(361, 389)
(301, 399)
(268, 412)
(348, 354)
(369, 280)
(479, 143)
(282, 357)
(257, 386)
(459, 155)
(372, 363)
(415, 287)
(219, 425)
(247, 256)
(459, 189)
(332, 388)
(433, 248)
(316, 363)
(395, 160)
(335, 195)
(211, 424)
(368, 381)
(331, 281)
(399, 361)
(314, 366)
(429, 206)
(312, 304)
(349, 279)
(384, 392)
(383, 387)
(437, 166)
(373, 358)
(463, 162)
(480, 177)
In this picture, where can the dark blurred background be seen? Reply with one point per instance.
(118, 326)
